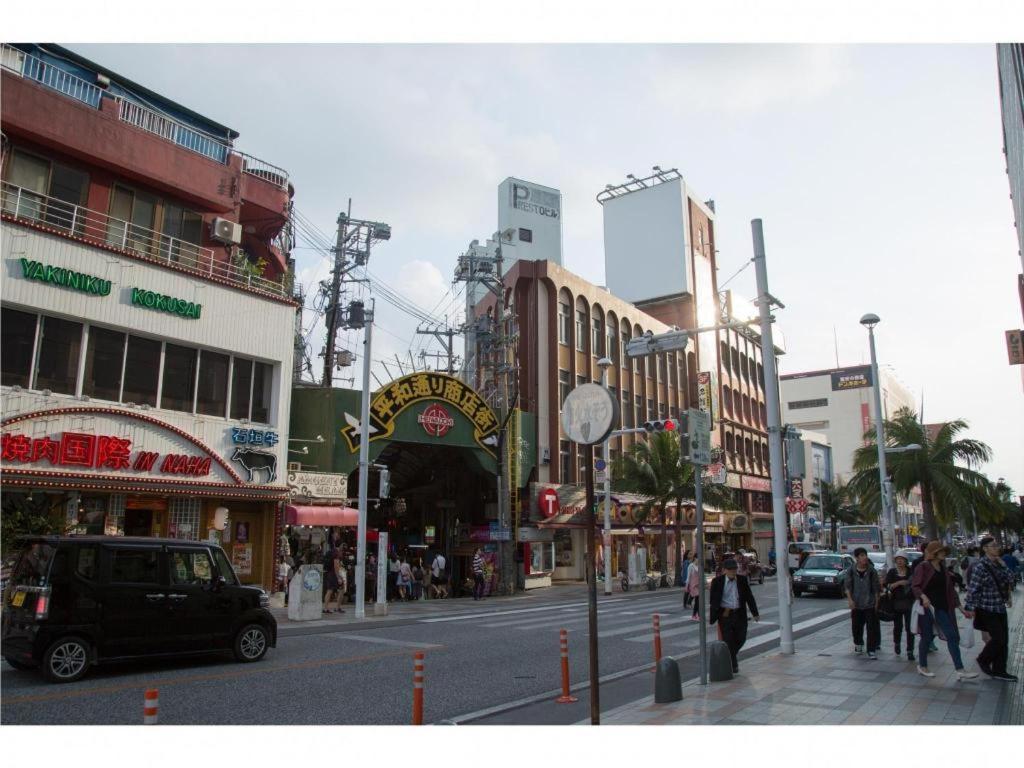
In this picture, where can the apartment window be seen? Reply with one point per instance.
(650, 408)
(59, 346)
(760, 375)
(796, 405)
(525, 235)
(563, 461)
(563, 323)
(241, 388)
(17, 347)
(610, 345)
(141, 371)
(262, 384)
(662, 411)
(132, 220)
(67, 187)
(581, 380)
(104, 358)
(180, 225)
(581, 330)
(177, 393)
(563, 387)
(661, 368)
(581, 466)
(212, 393)
(724, 354)
(624, 342)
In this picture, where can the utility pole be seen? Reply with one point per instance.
(771, 380)
(333, 316)
(445, 338)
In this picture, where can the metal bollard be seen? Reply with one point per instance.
(150, 707)
(417, 688)
(563, 642)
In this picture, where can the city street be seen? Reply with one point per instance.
(485, 662)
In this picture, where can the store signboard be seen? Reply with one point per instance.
(318, 485)
(749, 483)
(536, 534)
(857, 377)
(1015, 347)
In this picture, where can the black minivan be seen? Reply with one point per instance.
(75, 601)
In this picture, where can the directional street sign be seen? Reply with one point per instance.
(699, 436)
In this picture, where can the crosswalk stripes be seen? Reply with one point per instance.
(607, 617)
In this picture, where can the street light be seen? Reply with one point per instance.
(869, 321)
(888, 484)
(604, 364)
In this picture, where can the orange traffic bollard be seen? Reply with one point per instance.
(150, 707)
(563, 642)
(417, 688)
(657, 638)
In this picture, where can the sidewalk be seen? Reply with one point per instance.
(825, 683)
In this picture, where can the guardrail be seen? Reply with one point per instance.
(263, 170)
(33, 68)
(32, 207)
(170, 129)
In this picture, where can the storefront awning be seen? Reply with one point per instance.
(315, 515)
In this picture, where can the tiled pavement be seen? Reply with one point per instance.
(825, 683)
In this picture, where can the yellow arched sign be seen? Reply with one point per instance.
(409, 390)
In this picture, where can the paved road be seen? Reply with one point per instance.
(478, 655)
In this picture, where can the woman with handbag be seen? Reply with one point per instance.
(934, 589)
(897, 587)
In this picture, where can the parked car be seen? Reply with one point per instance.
(796, 549)
(822, 574)
(76, 601)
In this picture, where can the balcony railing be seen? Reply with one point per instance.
(32, 207)
(33, 68)
(263, 170)
(170, 129)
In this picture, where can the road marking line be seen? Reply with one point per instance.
(467, 616)
(380, 640)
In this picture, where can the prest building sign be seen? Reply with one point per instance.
(533, 200)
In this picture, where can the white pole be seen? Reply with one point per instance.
(606, 538)
(771, 387)
(890, 532)
(702, 606)
(364, 469)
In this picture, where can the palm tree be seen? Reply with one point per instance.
(836, 502)
(937, 467)
(653, 468)
(1005, 516)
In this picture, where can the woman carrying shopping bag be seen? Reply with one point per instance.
(935, 592)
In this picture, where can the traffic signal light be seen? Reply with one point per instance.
(666, 425)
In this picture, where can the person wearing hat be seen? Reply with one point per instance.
(933, 587)
(897, 584)
(730, 598)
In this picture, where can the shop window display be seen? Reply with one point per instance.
(564, 552)
(542, 558)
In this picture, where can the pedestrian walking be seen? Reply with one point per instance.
(1011, 566)
(439, 576)
(730, 598)
(478, 574)
(688, 562)
(693, 588)
(404, 580)
(863, 592)
(417, 581)
(988, 595)
(284, 573)
(393, 567)
(934, 589)
(897, 584)
(331, 583)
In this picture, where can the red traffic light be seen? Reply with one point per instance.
(670, 425)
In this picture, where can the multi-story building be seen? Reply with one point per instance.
(147, 318)
(837, 402)
(1010, 60)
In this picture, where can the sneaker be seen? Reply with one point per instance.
(1005, 676)
(858, 649)
(925, 672)
(963, 674)
(987, 669)
(896, 650)
(872, 655)
(695, 618)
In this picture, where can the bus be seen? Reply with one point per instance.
(849, 537)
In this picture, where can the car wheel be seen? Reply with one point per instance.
(66, 660)
(22, 665)
(251, 643)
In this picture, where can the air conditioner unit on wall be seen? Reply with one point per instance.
(224, 231)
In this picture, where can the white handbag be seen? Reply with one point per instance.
(914, 617)
(967, 635)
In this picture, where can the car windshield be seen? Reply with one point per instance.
(33, 567)
(876, 557)
(824, 563)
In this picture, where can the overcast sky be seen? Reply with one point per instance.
(877, 170)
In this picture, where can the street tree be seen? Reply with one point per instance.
(653, 468)
(943, 468)
(836, 502)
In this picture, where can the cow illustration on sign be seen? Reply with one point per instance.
(254, 461)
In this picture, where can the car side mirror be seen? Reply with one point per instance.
(219, 584)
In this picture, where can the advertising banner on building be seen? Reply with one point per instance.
(851, 378)
(1015, 347)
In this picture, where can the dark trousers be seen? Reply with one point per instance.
(478, 586)
(868, 616)
(696, 607)
(901, 621)
(734, 633)
(686, 600)
(392, 585)
(996, 650)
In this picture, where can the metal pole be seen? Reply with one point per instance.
(701, 602)
(771, 382)
(364, 469)
(607, 533)
(883, 476)
(595, 699)
(333, 314)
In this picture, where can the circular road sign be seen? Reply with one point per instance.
(600, 465)
(589, 414)
(547, 500)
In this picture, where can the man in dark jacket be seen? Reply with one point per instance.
(730, 598)
(863, 592)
